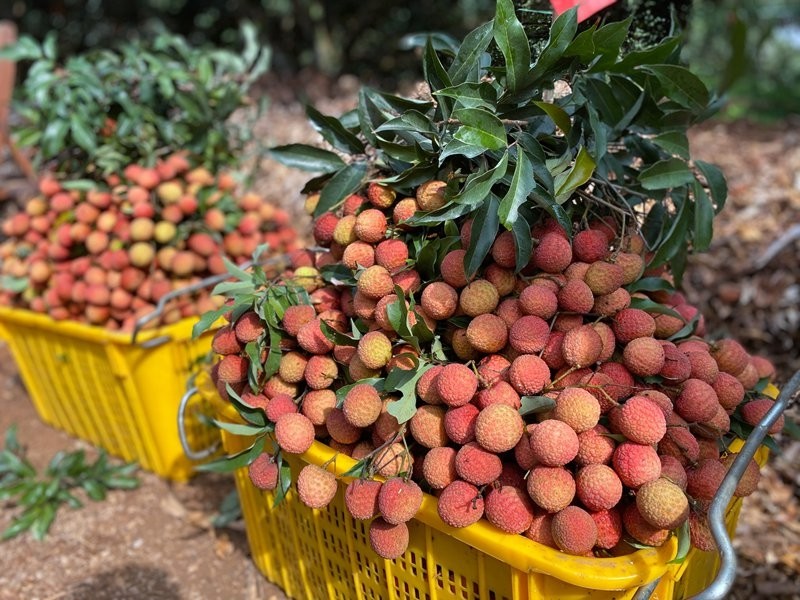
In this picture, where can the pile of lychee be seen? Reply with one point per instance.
(553, 402)
(105, 254)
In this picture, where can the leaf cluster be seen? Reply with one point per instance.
(106, 108)
(580, 130)
(40, 496)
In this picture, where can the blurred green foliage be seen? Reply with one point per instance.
(345, 36)
(760, 44)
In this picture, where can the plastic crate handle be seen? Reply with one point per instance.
(190, 453)
(719, 588)
(158, 311)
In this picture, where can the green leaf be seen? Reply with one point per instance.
(703, 219)
(465, 65)
(535, 404)
(674, 142)
(684, 543)
(523, 243)
(650, 306)
(228, 464)
(715, 182)
(522, 184)
(681, 85)
(579, 174)
(472, 95)
(239, 428)
(337, 337)
(650, 284)
(664, 174)
(685, 331)
(207, 320)
(608, 40)
(284, 480)
(332, 130)
(437, 77)
(481, 128)
(557, 114)
(486, 221)
(410, 120)
(307, 158)
(562, 33)
(94, 490)
(251, 414)
(405, 383)
(655, 55)
(342, 184)
(509, 34)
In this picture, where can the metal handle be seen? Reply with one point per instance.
(158, 311)
(190, 453)
(722, 584)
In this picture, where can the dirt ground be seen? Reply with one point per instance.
(157, 542)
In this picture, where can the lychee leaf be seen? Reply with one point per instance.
(650, 284)
(715, 181)
(273, 362)
(207, 320)
(228, 464)
(479, 127)
(239, 429)
(357, 470)
(345, 182)
(685, 331)
(703, 217)
(473, 95)
(509, 34)
(466, 64)
(562, 32)
(523, 243)
(668, 173)
(535, 404)
(522, 184)
(437, 78)
(284, 480)
(437, 349)
(650, 306)
(420, 331)
(404, 382)
(581, 171)
(337, 337)
(334, 132)
(249, 413)
(307, 158)
(487, 222)
(684, 543)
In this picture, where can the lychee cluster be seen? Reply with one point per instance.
(559, 404)
(107, 255)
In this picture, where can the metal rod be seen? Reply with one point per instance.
(646, 591)
(190, 453)
(723, 582)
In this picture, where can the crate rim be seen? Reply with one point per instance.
(180, 330)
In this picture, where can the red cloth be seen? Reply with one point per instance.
(586, 8)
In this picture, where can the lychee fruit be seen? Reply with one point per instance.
(641, 420)
(456, 384)
(321, 371)
(427, 426)
(575, 297)
(552, 254)
(577, 408)
(498, 428)
(631, 323)
(375, 282)
(539, 301)
(439, 300)
(598, 487)
(553, 443)
(581, 346)
(528, 374)
(731, 357)
(225, 342)
(540, 530)
(263, 472)
(644, 356)
(316, 487)
(361, 498)
(460, 504)
(439, 467)
(294, 433)
(753, 412)
(399, 500)
(391, 254)
(387, 540)
(574, 530)
(317, 404)
(487, 333)
(551, 488)
(452, 268)
(509, 509)
(639, 529)
(697, 402)
(431, 195)
(459, 423)
(479, 297)
(340, 429)
(662, 504)
(294, 317)
(636, 464)
(529, 334)
(476, 465)
(590, 245)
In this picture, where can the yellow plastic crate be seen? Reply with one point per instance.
(99, 386)
(316, 554)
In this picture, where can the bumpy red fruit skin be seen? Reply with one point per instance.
(697, 401)
(729, 390)
(609, 527)
(582, 346)
(631, 323)
(594, 447)
(528, 374)
(263, 472)
(361, 498)
(662, 504)
(225, 341)
(439, 300)
(498, 428)
(640, 530)
(249, 327)
(704, 480)
(553, 443)
(644, 356)
(387, 540)
(539, 301)
(459, 423)
(754, 411)
(316, 487)
(232, 369)
(460, 504)
(439, 467)
(427, 426)
(509, 509)
(456, 384)
(636, 464)
(296, 316)
(551, 488)
(598, 487)
(478, 297)
(553, 253)
(476, 465)
(730, 356)
(312, 339)
(487, 333)
(641, 420)
(399, 500)
(529, 334)
(294, 433)
(574, 530)
(362, 405)
(590, 245)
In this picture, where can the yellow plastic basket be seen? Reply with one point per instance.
(99, 386)
(317, 554)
